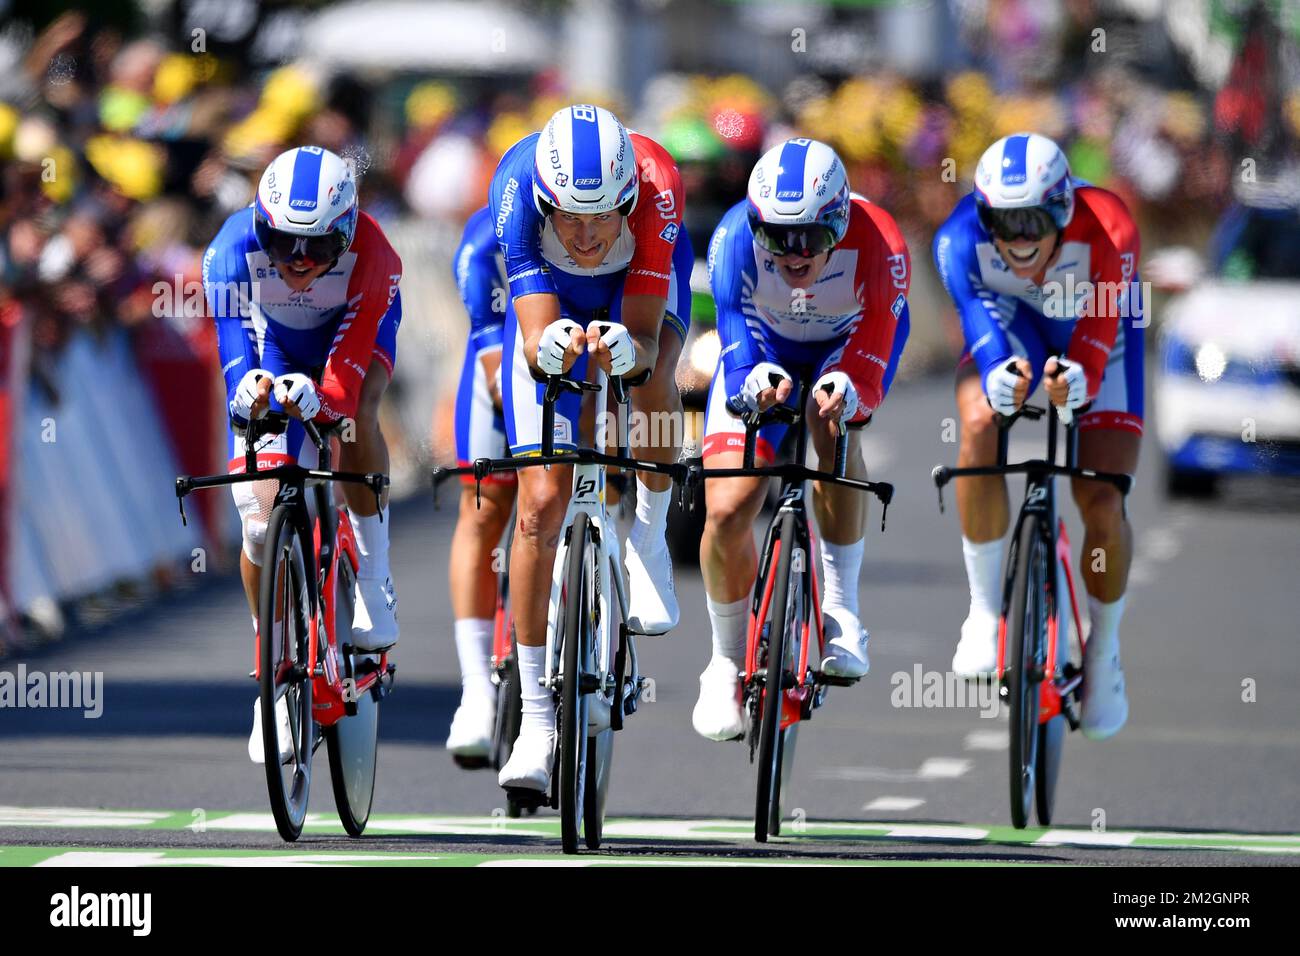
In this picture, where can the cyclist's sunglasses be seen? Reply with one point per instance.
(803, 240)
(1030, 224)
(286, 247)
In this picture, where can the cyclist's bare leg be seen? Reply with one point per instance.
(367, 451)
(543, 498)
(984, 509)
(841, 512)
(473, 571)
(658, 405)
(729, 565)
(728, 559)
(981, 501)
(1108, 537)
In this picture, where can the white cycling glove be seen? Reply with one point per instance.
(1077, 381)
(622, 350)
(301, 390)
(555, 342)
(241, 406)
(761, 377)
(840, 384)
(1000, 387)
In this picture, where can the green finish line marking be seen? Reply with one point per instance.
(546, 828)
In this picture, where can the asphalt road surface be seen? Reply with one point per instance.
(1207, 771)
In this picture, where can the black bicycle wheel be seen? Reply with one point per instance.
(572, 718)
(767, 800)
(352, 742)
(1051, 741)
(1026, 634)
(283, 626)
(509, 713)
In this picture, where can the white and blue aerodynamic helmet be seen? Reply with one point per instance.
(306, 206)
(799, 198)
(1023, 187)
(584, 163)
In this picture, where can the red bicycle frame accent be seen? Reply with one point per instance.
(329, 696)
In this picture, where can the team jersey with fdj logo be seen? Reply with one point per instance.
(855, 315)
(652, 256)
(346, 317)
(640, 261)
(1084, 307)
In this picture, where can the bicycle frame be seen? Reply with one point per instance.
(808, 690)
(1056, 695)
(335, 685)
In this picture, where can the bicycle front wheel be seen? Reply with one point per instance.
(285, 686)
(1026, 640)
(783, 614)
(575, 627)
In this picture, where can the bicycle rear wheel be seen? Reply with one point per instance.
(352, 742)
(767, 802)
(574, 625)
(284, 624)
(1026, 633)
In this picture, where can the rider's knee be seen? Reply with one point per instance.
(731, 515)
(543, 511)
(255, 501)
(1100, 505)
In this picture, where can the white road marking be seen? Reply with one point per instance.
(987, 740)
(934, 768)
(101, 858)
(944, 768)
(1084, 838)
(939, 832)
(75, 817)
(892, 804)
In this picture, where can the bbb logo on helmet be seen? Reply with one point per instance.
(302, 204)
(789, 194)
(586, 183)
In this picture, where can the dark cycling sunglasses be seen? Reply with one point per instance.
(1032, 224)
(802, 240)
(286, 247)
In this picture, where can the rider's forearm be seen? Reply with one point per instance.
(534, 313)
(643, 315)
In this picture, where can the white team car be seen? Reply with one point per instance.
(1227, 386)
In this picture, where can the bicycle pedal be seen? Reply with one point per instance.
(528, 799)
(832, 680)
(466, 762)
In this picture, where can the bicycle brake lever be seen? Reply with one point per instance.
(939, 488)
(884, 510)
(182, 489)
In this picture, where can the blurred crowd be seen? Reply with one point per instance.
(123, 154)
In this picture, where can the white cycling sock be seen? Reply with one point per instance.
(984, 574)
(1105, 623)
(730, 622)
(474, 649)
(647, 534)
(538, 708)
(372, 543)
(841, 568)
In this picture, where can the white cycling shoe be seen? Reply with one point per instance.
(472, 728)
(717, 713)
(529, 766)
(1105, 704)
(846, 644)
(374, 617)
(977, 651)
(652, 599)
(283, 735)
